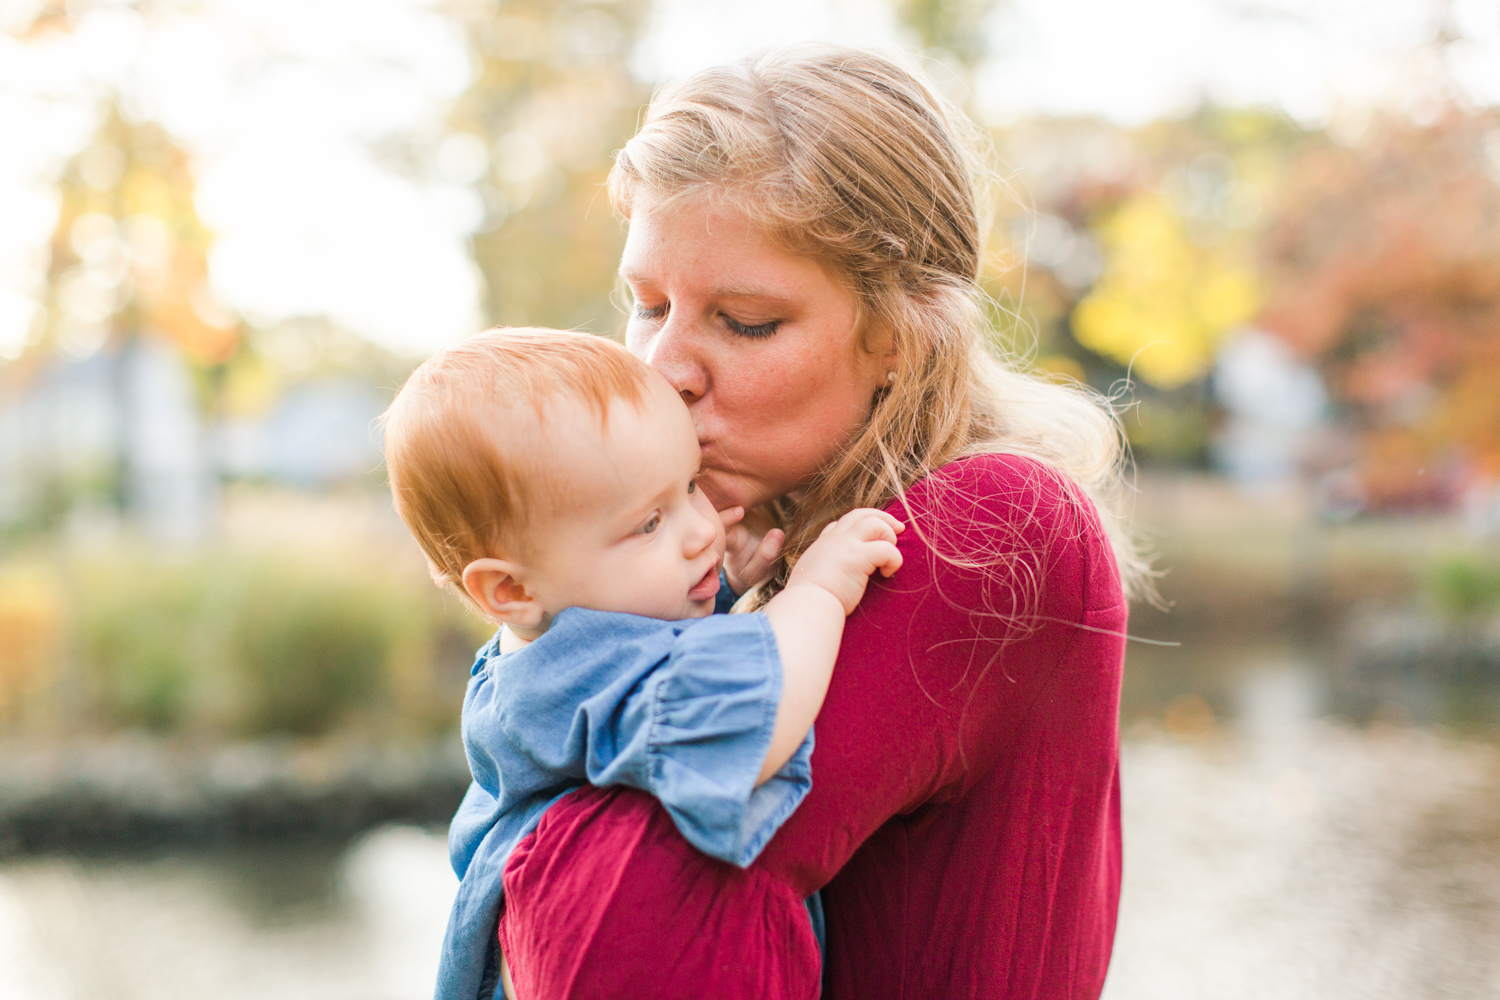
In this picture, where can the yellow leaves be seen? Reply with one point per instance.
(1061, 368)
(146, 193)
(1163, 303)
(30, 632)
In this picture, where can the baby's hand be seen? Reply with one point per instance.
(748, 557)
(847, 552)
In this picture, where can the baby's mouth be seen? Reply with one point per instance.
(708, 586)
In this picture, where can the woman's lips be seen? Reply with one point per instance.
(706, 587)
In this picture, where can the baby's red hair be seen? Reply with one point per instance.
(462, 436)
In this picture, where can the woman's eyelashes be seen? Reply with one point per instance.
(752, 330)
(756, 331)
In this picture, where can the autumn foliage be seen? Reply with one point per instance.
(1383, 268)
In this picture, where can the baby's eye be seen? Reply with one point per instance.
(692, 486)
(651, 525)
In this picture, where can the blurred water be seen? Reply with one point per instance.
(1276, 855)
(1309, 862)
(360, 921)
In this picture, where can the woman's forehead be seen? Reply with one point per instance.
(719, 252)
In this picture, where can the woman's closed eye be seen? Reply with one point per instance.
(643, 311)
(755, 331)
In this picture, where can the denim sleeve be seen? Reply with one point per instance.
(699, 735)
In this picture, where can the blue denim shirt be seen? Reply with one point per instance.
(680, 709)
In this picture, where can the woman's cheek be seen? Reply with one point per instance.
(730, 489)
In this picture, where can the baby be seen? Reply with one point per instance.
(549, 477)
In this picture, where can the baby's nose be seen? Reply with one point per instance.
(701, 535)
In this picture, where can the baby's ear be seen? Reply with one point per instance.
(493, 586)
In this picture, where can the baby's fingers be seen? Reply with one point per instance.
(860, 513)
(760, 561)
(869, 515)
(876, 524)
(732, 516)
(885, 557)
(738, 544)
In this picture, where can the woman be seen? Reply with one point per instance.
(803, 252)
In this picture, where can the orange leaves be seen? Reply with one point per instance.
(129, 256)
(1384, 266)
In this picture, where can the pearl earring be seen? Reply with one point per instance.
(890, 376)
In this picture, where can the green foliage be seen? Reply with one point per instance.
(309, 645)
(1464, 585)
(139, 630)
(234, 643)
(1168, 429)
(552, 99)
(954, 27)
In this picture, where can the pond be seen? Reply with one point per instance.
(361, 921)
(1273, 849)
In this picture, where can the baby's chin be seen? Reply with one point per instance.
(700, 609)
(689, 610)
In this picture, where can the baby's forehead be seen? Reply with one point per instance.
(585, 456)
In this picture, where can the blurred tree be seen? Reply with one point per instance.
(950, 31)
(1384, 268)
(1132, 252)
(551, 101)
(1178, 241)
(1163, 303)
(129, 261)
(129, 254)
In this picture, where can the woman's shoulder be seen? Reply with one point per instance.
(1011, 512)
(1003, 490)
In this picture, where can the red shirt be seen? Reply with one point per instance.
(964, 819)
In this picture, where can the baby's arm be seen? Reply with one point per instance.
(808, 615)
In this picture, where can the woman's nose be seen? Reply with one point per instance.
(672, 351)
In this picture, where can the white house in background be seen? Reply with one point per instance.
(320, 433)
(1481, 508)
(125, 421)
(1273, 402)
(63, 426)
(132, 420)
(171, 485)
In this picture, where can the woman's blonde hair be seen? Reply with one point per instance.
(847, 157)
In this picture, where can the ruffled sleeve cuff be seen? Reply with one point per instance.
(711, 721)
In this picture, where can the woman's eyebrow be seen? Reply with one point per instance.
(745, 292)
(719, 291)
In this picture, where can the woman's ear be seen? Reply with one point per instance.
(880, 354)
(492, 584)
